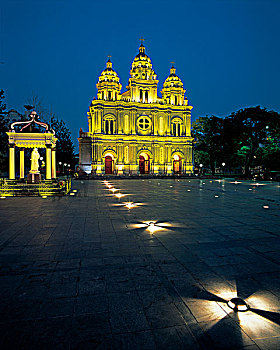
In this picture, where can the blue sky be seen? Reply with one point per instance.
(226, 52)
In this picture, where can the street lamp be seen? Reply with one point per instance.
(223, 165)
(64, 164)
(59, 163)
(200, 165)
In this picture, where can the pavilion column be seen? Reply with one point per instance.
(53, 162)
(48, 162)
(12, 174)
(21, 163)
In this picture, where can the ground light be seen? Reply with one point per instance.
(238, 304)
(130, 205)
(151, 227)
(119, 195)
(44, 197)
(114, 189)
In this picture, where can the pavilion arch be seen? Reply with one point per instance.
(29, 136)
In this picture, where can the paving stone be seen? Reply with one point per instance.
(77, 272)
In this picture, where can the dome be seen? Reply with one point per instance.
(173, 80)
(142, 57)
(142, 66)
(109, 74)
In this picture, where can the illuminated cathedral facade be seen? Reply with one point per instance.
(137, 132)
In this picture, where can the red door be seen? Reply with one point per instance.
(177, 166)
(142, 165)
(108, 165)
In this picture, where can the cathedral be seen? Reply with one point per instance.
(136, 131)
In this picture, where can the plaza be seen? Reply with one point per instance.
(88, 271)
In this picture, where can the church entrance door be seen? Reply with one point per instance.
(177, 165)
(108, 165)
(144, 165)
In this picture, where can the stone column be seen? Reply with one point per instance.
(156, 158)
(21, 163)
(48, 162)
(99, 157)
(120, 158)
(12, 174)
(133, 160)
(168, 123)
(53, 163)
(89, 123)
(133, 126)
(99, 121)
(169, 168)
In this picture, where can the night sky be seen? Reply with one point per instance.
(227, 53)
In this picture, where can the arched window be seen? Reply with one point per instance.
(176, 100)
(109, 125)
(176, 126)
(174, 129)
(106, 126)
(109, 95)
(147, 97)
(141, 95)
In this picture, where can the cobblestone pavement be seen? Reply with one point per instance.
(82, 272)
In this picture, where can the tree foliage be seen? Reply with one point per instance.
(247, 138)
(64, 144)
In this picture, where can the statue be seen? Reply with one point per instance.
(35, 156)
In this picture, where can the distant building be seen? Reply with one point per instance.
(137, 132)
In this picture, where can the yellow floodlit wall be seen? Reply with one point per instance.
(136, 131)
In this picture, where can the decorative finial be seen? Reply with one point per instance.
(109, 63)
(142, 47)
(172, 69)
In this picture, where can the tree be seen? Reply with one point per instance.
(256, 127)
(64, 144)
(247, 138)
(208, 147)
